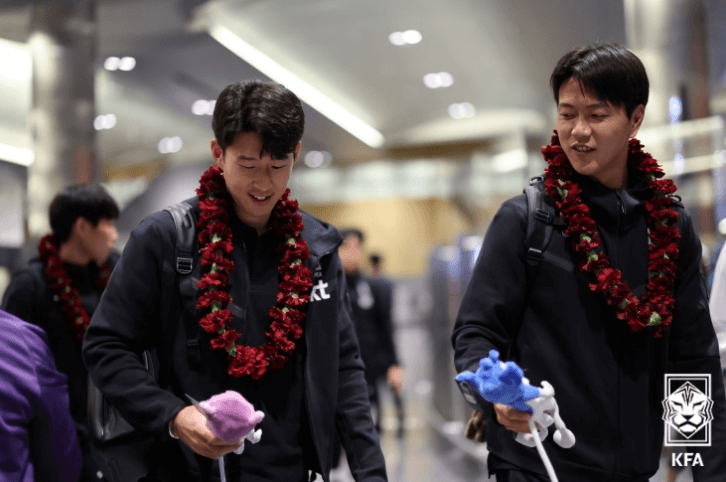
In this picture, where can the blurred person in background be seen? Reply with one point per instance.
(37, 433)
(60, 290)
(266, 314)
(376, 262)
(576, 323)
(371, 300)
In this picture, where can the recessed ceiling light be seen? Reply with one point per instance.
(436, 80)
(409, 37)
(463, 110)
(107, 121)
(111, 63)
(170, 145)
(315, 159)
(127, 63)
(203, 107)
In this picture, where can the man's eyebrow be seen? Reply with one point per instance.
(591, 106)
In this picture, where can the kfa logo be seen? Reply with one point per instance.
(688, 410)
(686, 460)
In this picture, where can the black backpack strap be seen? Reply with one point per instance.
(541, 216)
(540, 219)
(185, 221)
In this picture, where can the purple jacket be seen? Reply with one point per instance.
(35, 416)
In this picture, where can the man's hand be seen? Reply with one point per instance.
(190, 425)
(512, 419)
(395, 378)
(476, 428)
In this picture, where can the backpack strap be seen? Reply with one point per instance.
(185, 221)
(541, 216)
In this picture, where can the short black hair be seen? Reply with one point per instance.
(346, 232)
(88, 201)
(266, 108)
(607, 71)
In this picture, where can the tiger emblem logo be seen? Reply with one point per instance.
(687, 410)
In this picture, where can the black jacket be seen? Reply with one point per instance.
(141, 308)
(609, 382)
(371, 302)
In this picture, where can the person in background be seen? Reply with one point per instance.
(266, 314)
(616, 302)
(37, 435)
(60, 289)
(371, 301)
(376, 263)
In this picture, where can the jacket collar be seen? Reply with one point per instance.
(615, 208)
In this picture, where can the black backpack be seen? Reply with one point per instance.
(126, 453)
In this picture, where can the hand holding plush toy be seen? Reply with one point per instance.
(499, 382)
(231, 418)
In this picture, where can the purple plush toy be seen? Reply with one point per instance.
(232, 418)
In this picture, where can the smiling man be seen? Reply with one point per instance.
(613, 303)
(263, 312)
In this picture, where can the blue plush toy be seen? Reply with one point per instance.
(500, 382)
(504, 383)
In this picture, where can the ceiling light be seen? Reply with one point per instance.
(107, 121)
(410, 37)
(203, 107)
(315, 159)
(722, 226)
(306, 92)
(127, 63)
(436, 80)
(170, 145)
(111, 63)
(463, 110)
(16, 155)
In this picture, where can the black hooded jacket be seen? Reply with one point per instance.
(609, 382)
(142, 309)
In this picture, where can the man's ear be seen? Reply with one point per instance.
(217, 152)
(636, 120)
(80, 226)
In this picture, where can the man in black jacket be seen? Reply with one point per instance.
(371, 300)
(616, 301)
(82, 218)
(259, 319)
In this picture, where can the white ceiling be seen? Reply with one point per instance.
(500, 53)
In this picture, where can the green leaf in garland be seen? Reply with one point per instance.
(592, 255)
(216, 306)
(655, 319)
(232, 351)
(623, 304)
(216, 238)
(562, 193)
(585, 238)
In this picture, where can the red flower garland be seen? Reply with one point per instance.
(656, 306)
(215, 240)
(61, 286)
